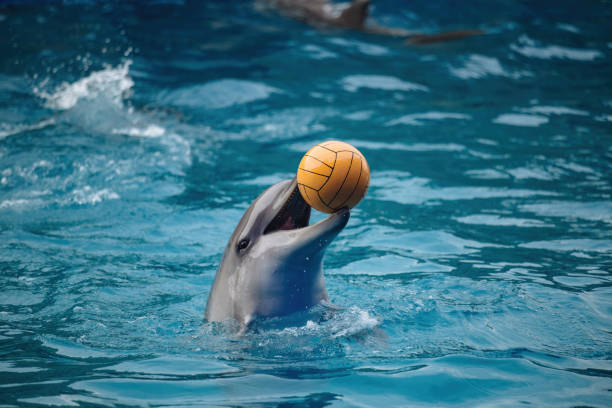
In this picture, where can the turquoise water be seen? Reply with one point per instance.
(476, 272)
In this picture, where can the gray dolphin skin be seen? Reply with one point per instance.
(272, 265)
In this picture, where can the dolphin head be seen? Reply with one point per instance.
(272, 263)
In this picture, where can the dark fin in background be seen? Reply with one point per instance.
(439, 37)
(355, 15)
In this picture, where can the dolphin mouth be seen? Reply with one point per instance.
(294, 214)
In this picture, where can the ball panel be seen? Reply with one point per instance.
(315, 165)
(349, 185)
(312, 180)
(324, 155)
(330, 190)
(361, 187)
(338, 146)
(312, 197)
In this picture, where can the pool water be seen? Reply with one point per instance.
(476, 271)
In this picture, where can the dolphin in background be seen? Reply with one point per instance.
(272, 265)
(323, 13)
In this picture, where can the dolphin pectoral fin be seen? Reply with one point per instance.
(354, 16)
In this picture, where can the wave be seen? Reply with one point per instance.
(416, 119)
(7, 130)
(353, 83)
(220, 94)
(531, 49)
(520, 119)
(480, 66)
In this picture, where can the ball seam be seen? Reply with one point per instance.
(356, 184)
(343, 181)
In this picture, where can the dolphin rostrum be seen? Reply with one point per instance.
(272, 265)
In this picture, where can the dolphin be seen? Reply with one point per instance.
(323, 13)
(272, 265)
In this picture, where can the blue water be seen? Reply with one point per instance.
(476, 272)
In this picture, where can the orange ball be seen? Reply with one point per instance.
(333, 175)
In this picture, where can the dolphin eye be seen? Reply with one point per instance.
(243, 244)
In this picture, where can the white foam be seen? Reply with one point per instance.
(65, 400)
(537, 173)
(20, 202)
(568, 27)
(393, 265)
(7, 130)
(401, 188)
(362, 47)
(554, 110)
(578, 168)
(353, 83)
(112, 83)
(416, 119)
(416, 147)
(87, 195)
(516, 119)
(592, 211)
(527, 47)
(580, 244)
(479, 66)
(497, 221)
(150, 131)
(354, 321)
(487, 174)
(359, 115)
(578, 280)
(318, 53)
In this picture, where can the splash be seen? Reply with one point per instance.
(87, 195)
(323, 331)
(111, 83)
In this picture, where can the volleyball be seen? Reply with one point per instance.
(333, 175)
